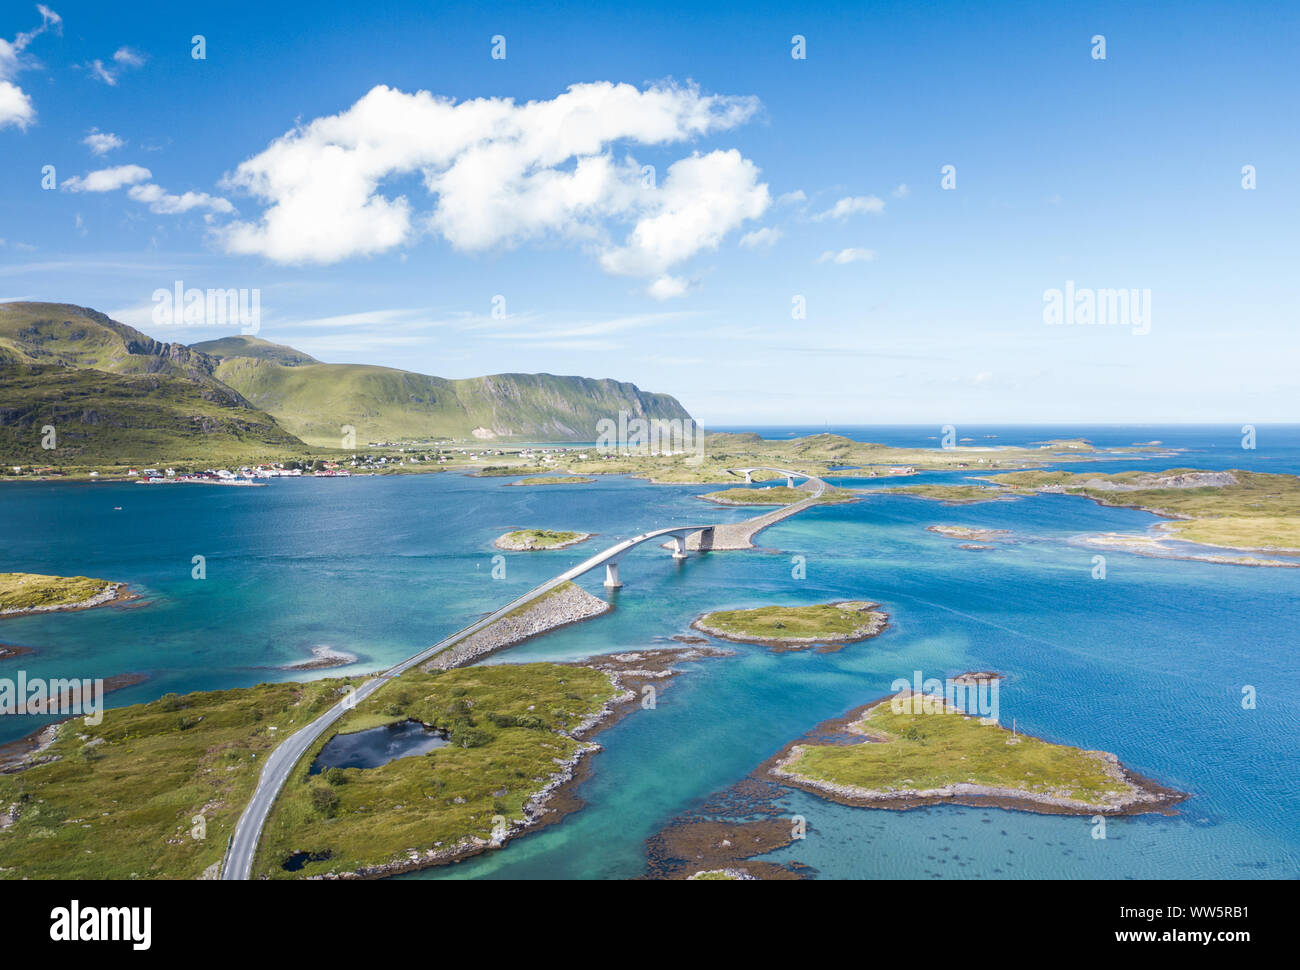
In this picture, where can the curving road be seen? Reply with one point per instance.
(281, 761)
(243, 846)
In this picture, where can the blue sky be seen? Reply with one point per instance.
(379, 225)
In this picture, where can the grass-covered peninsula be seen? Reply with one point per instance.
(829, 624)
(154, 790)
(511, 742)
(22, 593)
(530, 540)
(914, 754)
(1233, 509)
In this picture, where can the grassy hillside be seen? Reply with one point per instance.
(102, 418)
(253, 347)
(63, 335)
(115, 394)
(314, 401)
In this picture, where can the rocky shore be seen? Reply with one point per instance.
(112, 593)
(523, 541)
(1158, 547)
(873, 623)
(968, 533)
(322, 658)
(1140, 795)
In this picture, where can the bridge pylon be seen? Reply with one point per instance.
(611, 576)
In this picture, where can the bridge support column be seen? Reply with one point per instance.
(611, 575)
(789, 481)
(679, 547)
(749, 478)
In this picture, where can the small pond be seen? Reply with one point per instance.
(378, 746)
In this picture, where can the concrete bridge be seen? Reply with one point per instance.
(281, 761)
(790, 475)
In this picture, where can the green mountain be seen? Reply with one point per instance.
(316, 401)
(254, 348)
(117, 396)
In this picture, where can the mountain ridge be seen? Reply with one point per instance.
(248, 390)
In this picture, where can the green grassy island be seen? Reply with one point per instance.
(775, 495)
(529, 540)
(22, 593)
(921, 755)
(796, 626)
(510, 746)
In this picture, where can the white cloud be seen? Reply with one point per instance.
(124, 58)
(163, 203)
(142, 190)
(844, 256)
(101, 142)
(108, 179)
(668, 287)
(791, 198)
(852, 205)
(128, 58)
(503, 174)
(902, 192)
(702, 199)
(15, 104)
(763, 238)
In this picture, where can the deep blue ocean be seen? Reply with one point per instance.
(1148, 663)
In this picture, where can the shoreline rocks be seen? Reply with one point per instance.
(968, 533)
(508, 542)
(323, 658)
(564, 605)
(113, 593)
(1156, 547)
(1142, 796)
(873, 626)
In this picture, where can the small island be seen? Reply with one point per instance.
(910, 757)
(322, 658)
(26, 593)
(531, 540)
(828, 625)
(954, 494)
(554, 480)
(775, 495)
(967, 533)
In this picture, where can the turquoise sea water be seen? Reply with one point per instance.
(1148, 663)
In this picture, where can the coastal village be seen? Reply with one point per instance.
(399, 460)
